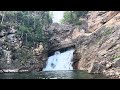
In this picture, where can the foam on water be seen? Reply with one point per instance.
(60, 61)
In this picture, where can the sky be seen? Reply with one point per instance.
(57, 16)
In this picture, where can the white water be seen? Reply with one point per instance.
(8, 56)
(60, 61)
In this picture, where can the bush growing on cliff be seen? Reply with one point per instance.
(23, 55)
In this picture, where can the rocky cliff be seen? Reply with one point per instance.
(99, 52)
(15, 56)
(96, 41)
(21, 40)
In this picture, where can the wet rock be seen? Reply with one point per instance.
(76, 58)
(10, 70)
(96, 68)
(108, 65)
(23, 69)
(1, 71)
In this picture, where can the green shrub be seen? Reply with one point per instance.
(108, 31)
(72, 17)
(114, 57)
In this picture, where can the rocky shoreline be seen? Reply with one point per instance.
(12, 71)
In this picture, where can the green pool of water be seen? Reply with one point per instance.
(71, 74)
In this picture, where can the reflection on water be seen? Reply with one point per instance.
(73, 74)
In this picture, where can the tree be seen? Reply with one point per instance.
(30, 24)
(67, 17)
(72, 17)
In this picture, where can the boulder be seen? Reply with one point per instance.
(76, 58)
(96, 68)
(108, 65)
(116, 62)
(1, 71)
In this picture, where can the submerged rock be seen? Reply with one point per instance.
(1, 71)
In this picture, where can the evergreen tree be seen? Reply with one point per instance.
(72, 17)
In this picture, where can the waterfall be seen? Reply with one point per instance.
(60, 61)
(7, 56)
